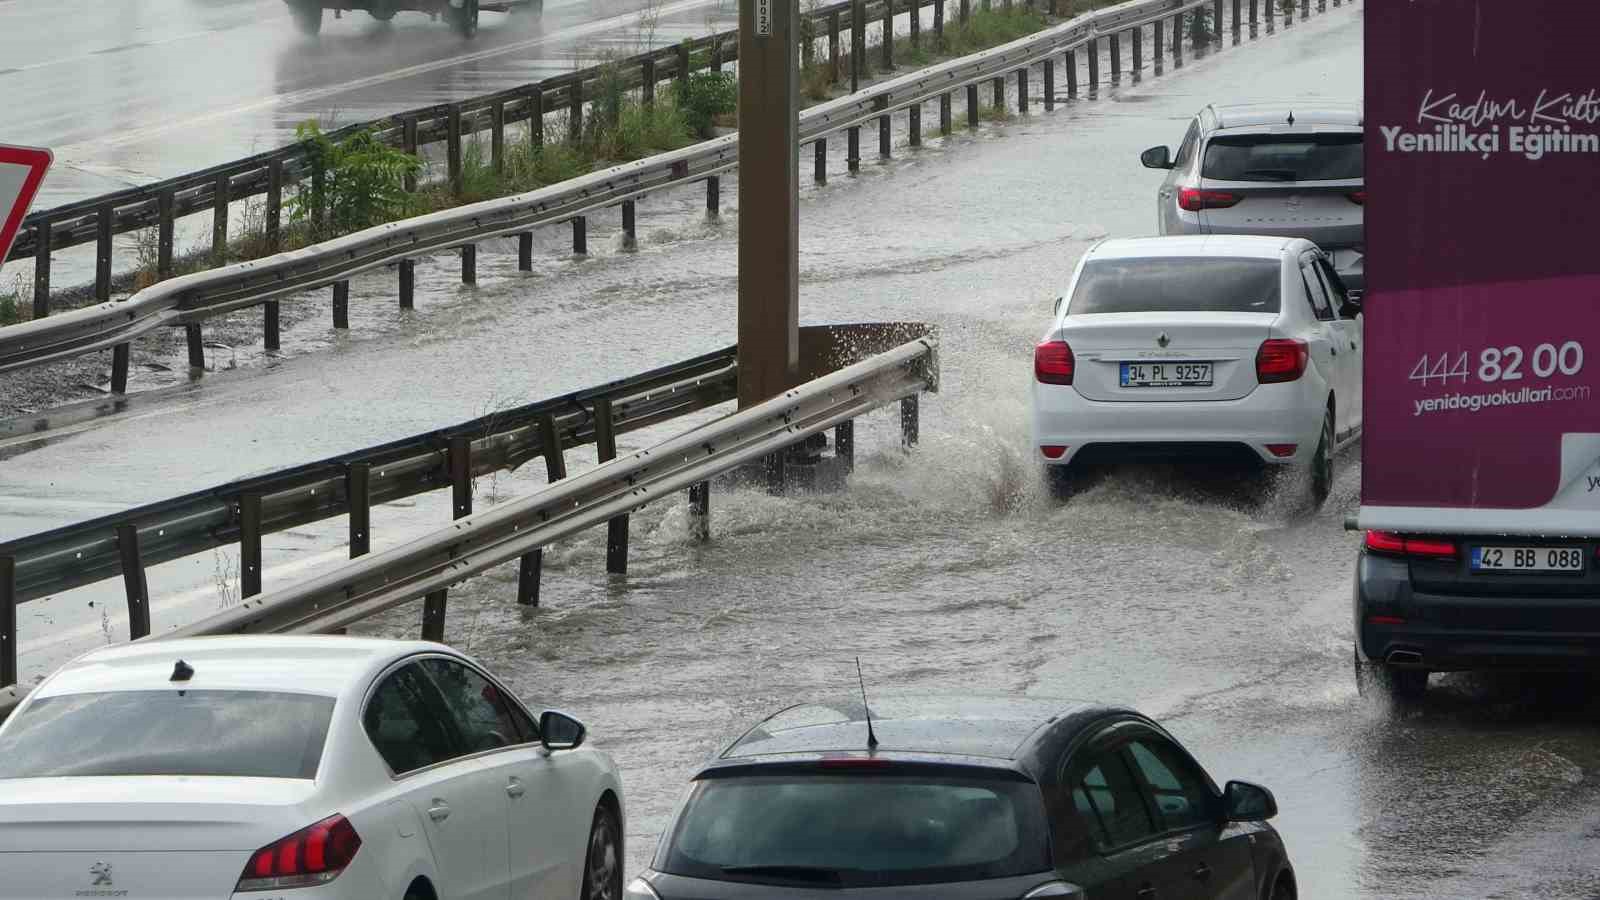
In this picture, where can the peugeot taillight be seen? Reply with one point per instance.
(1410, 545)
(311, 856)
(1281, 359)
(1195, 199)
(1053, 363)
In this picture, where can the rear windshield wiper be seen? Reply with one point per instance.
(1273, 174)
(792, 873)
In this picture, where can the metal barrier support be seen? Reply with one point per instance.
(134, 583)
(358, 496)
(341, 305)
(249, 545)
(605, 442)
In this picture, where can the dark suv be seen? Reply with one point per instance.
(968, 799)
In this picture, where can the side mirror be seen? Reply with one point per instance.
(1057, 307)
(559, 731)
(1246, 802)
(1156, 158)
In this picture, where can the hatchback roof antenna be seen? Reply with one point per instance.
(872, 739)
(1291, 117)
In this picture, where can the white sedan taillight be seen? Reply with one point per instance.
(311, 856)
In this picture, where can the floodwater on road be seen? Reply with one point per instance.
(947, 569)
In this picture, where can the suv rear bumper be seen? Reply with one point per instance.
(1442, 633)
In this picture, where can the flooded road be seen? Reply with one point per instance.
(946, 569)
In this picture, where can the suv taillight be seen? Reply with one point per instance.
(1280, 360)
(311, 856)
(1410, 545)
(1195, 199)
(1053, 363)
(1359, 198)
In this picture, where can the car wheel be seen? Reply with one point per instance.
(1322, 464)
(467, 18)
(1379, 679)
(307, 15)
(1283, 888)
(1059, 482)
(384, 10)
(602, 870)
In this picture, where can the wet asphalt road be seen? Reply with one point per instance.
(1214, 607)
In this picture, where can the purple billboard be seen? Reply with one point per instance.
(1482, 313)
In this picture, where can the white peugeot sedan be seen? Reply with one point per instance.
(299, 768)
(1199, 349)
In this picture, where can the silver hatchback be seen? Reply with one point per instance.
(1269, 169)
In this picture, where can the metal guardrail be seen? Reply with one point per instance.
(190, 299)
(428, 566)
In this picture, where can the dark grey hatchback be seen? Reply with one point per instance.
(967, 799)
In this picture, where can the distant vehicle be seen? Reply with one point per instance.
(299, 767)
(965, 799)
(461, 14)
(1274, 169)
(1228, 348)
(1440, 603)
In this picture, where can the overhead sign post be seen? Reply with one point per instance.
(769, 200)
(21, 172)
(1482, 382)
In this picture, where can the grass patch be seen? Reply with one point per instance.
(16, 305)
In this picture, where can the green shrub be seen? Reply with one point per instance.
(705, 96)
(10, 312)
(362, 184)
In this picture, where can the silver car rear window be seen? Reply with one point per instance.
(1177, 284)
(235, 733)
(1283, 157)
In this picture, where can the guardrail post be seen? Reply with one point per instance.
(999, 84)
(164, 214)
(41, 270)
(341, 304)
(1049, 85)
(833, 48)
(433, 609)
(460, 460)
(531, 566)
(319, 209)
(965, 12)
(647, 74)
(469, 263)
(888, 35)
(197, 352)
(1093, 48)
(219, 218)
(914, 123)
(972, 106)
(1271, 17)
(408, 143)
(884, 134)
(630, 236)
(1305, 10)
(858, 42)
(776, 467)
(119, 369)
(819, 161)
(716, 54)
(1022, 90)
(580, 235)
(700, 511)
(1254, 18)
(916, 24)
(249, 545)
(269, 326)
(844, 443)
(536, 117)
(1072, 74)
(358, 496)
(1116, 58)
(853, 148)
(408, 283)
(525, 251)
(938, 24)
(683, 65)
(1216, 22)
(1177, 41)
(944, 113)
(275, 205)
(102, 260)
(575, 111)
(1138, 53)
(713, 196)
(8, 621)
(605, 439)
(529, 569)
(1157, 35)
(134, 583)
(908, 421)
(497, 136)
(453, 149)
(1238, 24)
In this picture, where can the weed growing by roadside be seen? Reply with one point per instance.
(362, 184)
(16, 305)
(703, 98)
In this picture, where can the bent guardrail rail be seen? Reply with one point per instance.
(428, 566)
(190, 299)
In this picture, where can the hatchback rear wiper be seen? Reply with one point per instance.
(1278, 174)
(793, 873)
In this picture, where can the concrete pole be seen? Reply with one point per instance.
(769, 191)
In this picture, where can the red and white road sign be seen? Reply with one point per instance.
(21, 172)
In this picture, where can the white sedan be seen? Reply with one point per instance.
(299, 768)
(1225, 348)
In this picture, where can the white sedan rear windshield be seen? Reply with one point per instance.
(1176, 284)
(237, 733)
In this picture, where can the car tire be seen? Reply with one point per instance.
(1379, 679)
(1059, 482)
(307, 15)
(384, 10)
(467, 19)
(1322, 464)
(1283, 888)
(602, 866)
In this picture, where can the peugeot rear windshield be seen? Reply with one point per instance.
(842, 831)
(1283, 157)
(171, 732)
(1177, 284)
